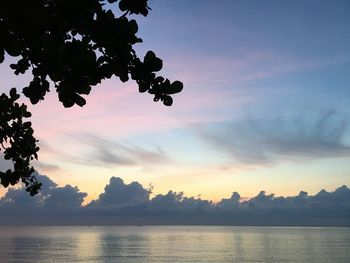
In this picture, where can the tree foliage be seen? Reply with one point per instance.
(70, 46)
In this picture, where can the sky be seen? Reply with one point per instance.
(265, 106)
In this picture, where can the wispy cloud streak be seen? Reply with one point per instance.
(264, 141)
(105, 152)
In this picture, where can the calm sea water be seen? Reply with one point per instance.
(174, 244)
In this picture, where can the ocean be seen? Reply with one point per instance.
(174, 244)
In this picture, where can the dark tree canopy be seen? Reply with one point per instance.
(71, 46)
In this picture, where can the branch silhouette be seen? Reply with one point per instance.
(70, 46)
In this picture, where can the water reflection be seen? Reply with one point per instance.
(88, 245)
(174, 244)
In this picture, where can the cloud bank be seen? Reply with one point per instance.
(122, 203)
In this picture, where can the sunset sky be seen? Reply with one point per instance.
(265, 105)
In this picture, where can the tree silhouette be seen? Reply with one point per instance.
(71, 45)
